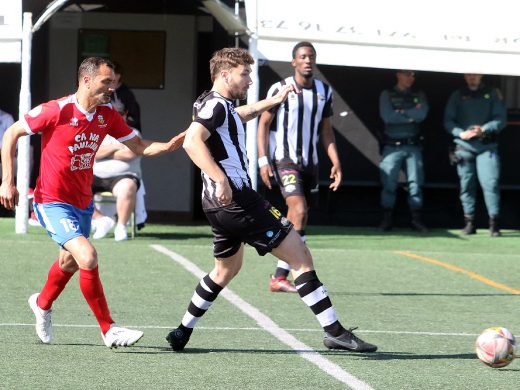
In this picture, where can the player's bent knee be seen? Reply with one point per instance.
(67, 262)
(87, 259)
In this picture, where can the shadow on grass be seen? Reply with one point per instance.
(379, 356)
(414, 294)
(412, 356)
(401, 232)
(188, 350)
(173, 235)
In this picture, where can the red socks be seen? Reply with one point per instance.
(92, 290)
(57, 279)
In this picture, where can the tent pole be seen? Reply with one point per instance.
(23, 157)
(251, 127)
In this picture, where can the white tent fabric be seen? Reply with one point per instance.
(11, 31)
(463, 36)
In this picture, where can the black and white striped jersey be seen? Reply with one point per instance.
(227, 143)
(295, 131)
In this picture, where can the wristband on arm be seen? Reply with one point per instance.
(263, 161)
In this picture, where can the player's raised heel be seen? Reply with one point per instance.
(348, 341)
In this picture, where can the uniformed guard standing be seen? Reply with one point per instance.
(475, 114)
(402, 110)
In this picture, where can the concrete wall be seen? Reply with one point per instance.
(164, 112)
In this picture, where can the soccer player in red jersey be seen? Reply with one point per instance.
(72, 130)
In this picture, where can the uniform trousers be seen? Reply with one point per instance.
(484, 167)
(408, 158)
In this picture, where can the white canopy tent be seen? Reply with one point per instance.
(464, 36)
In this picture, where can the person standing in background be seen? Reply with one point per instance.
(402, 109)
(474, 116)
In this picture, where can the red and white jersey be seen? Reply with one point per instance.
(70, 139)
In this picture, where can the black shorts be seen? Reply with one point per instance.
(102, 185)
(248, 218)
(296, 180)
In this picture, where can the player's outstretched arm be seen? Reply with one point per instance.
(8, 192)
(147, 148)
(250, 111)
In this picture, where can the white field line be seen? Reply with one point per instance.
(240, 329)
(270, 326)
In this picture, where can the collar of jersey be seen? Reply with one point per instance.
(301, 86)
(88, 115)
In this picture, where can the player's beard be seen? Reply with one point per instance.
(237, 92)
(104, 98)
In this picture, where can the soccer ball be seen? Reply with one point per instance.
(496, 347)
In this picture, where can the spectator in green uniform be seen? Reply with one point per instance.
(475, 114)
(402, 110)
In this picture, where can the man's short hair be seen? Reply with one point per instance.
(302, 44)
(228, 58)
(90, 66)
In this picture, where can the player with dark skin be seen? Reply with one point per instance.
(303, 64)
(291, 156)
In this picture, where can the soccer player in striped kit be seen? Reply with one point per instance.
(288, 151)
(215, 141)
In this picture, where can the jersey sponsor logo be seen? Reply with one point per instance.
(74, 121)
(82, 142)
(101, 121)
(273, 237)
(320, 96)
(290, 188)
(81, 161)
(35, 111)
(284, 221)
(269, 233)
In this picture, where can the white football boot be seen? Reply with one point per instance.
(118, 336)
(43, 320)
